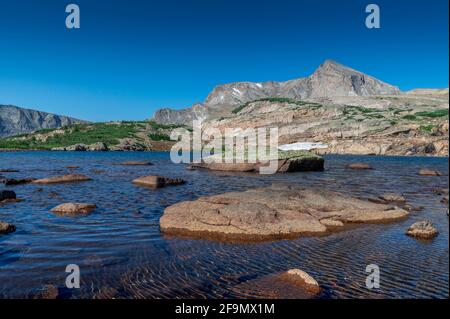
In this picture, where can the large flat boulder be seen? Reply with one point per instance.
(275, 212)
(73, 209)
(155, 181)
(287, 161)
(69, 178)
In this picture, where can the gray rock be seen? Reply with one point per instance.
(15, 120)
(6, 228)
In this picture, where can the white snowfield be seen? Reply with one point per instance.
(302, 146)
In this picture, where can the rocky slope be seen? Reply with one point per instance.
(329, 80)
(15, 120)
(406, 124)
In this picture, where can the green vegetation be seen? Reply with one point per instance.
(108, 133)
(427, 128)
(159, 137)
(410, 117)
(433, 114)
(278, 100)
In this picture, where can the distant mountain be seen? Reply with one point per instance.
(15, 120)
(331, 79)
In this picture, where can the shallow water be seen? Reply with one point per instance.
(121, 252)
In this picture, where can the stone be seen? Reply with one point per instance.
(393, 197)
(287, 161)
(48, 292)
(73, 209)
(69, 178)
(157, 181)
(429, 172)
(302, 279)
(137, 163)
(7, 195)
(6, 228)
(361, 166)
(13, 181)
(422, 230)
(275, 212)
(98, 147)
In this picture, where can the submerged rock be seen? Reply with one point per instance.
(72, 209)
(6, 228)
(302, 279)
(429, 172)
(287, 161)
(9, 171)
(422, 230)
(157, 181)
(63, 179)
(274, 212)
(137, 163)
(359, 166)
(48, 292)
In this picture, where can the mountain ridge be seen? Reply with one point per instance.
(330, 79)
(16, 120)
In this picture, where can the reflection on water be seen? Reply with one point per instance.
(122, 254)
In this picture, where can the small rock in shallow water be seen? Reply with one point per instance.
(429, 172)
(137, 163)
(157, 181)
(445, 200)
(359, 166)
(63, 179)
(48, 292)
(7, 195)
(393, 197)
(72, 209)
(6, 228)
(302, 279)
(422, 230)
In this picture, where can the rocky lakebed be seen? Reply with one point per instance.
(139, 226)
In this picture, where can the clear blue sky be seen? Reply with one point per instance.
(131, 57)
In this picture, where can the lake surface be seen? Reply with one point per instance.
(121, 252)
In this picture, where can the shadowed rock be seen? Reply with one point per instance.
(8, 171)
(7, 195)
(429, 172)
(12, 181)
(6, 228)
(422, 230)
(157, 181)
(48, 292)
(73, 209)
(63, 179)
(274, 212)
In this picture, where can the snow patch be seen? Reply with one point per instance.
(302, 146)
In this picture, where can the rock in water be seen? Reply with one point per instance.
(63, 179)
(359, 166)
(137, 163)
(302, 279)
(429, 172)
(73, 209)
(7, 195)
(287, 161)
(393, 197)
(275, 212)
(48, 292)
(12, 181)
(422, 230)
(157, 181)
(6, 228)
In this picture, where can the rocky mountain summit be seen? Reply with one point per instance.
(331, 79)
(15, 120)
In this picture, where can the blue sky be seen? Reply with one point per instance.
(131, 57)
